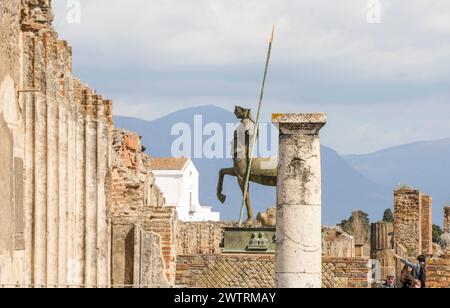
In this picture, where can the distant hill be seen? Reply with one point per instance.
(344, 187)
(424, 165)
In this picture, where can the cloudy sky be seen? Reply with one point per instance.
(381, 84)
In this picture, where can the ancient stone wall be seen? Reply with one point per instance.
(438, 272)
(336, 243)
(201, 237)
(258, 271)
(59, 180)
(408, 218)
(10, 51)
(427, 225)
(447, 219)
(358, 226)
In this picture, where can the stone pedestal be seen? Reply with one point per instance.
(298, 235)
(249, 240)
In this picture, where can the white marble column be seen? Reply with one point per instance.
(299, 244)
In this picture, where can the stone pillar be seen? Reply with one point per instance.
(103, 141)
(447, 219)
(80, 194)
(71, 188)
(91, 192)
(52, 193)
(299, 246)
(40, 201)
(29, 103)
(381, 237)
(408, 218)
(63, 194)
(427, 225)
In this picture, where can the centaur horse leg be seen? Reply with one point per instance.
(222, 173)
(241, 182)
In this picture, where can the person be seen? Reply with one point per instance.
(417, 284)
(406, 278)
(418, 269)
(390, 283)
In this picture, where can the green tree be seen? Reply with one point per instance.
(437, 232)
(388, 216)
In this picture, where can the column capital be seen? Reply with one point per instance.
(299, 123)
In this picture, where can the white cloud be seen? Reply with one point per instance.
(405, 60)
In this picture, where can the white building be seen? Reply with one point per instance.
(178, 180)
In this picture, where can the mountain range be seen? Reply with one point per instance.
(350, 182)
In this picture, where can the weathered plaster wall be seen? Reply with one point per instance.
(11, 136)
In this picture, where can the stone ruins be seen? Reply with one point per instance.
(80, 207)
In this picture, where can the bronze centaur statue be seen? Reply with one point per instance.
(263, 170)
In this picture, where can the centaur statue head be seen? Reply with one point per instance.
(242, 113)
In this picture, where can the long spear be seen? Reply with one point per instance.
(253, 142)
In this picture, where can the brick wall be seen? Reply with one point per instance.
(438, 272)
(163, 221)
(408, 217)
(258, 271)
(345, 272)
(138, 203)
(226, 271)
(427, 225)
(200, 237)
(134, 188)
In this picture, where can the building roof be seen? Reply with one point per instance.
(168, 163)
